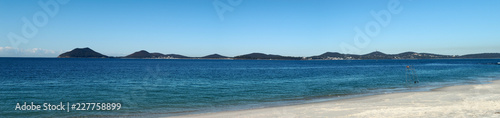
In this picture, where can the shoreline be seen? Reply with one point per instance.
(471, 100)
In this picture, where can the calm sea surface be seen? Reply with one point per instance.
(153, 87)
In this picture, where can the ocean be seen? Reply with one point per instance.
(170, 87)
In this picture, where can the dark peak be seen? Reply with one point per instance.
(376, 53)
(146, 54)
(214, 56)
(85, 48)
(140, 54)
(266, 56)
(256, 53)
(409, 52)
(330, 54)
(82, 49)
(82, 53)
(142, 51)
(260, 54)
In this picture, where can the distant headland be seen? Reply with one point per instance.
(82, 53)
(89, 53)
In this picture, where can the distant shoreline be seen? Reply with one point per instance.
(240, 59)
(89, 53)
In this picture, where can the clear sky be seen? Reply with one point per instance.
(285, 27)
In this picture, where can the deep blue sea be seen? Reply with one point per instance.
(167, 87)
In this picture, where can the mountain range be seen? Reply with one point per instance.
(89, 53)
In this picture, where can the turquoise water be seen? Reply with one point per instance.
(151, 87)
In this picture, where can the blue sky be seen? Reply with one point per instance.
(286, 27)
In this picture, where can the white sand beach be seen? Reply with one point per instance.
(482, 100)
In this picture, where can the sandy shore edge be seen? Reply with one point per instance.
(479, 100)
